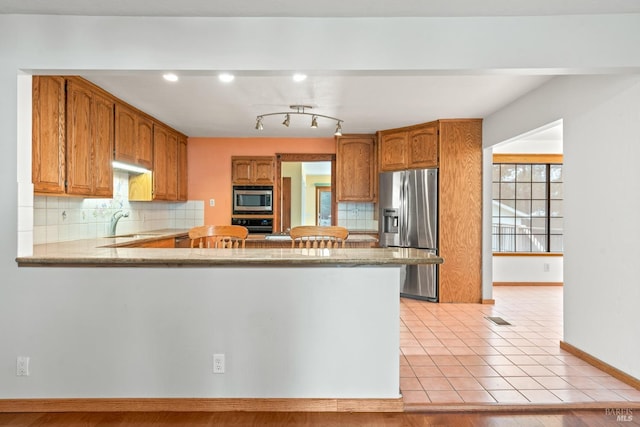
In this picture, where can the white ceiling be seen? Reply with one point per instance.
(324, 8)
(201, 105)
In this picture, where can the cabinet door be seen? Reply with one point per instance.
(172, 166)
(79, 140)
(355, 168)
(48, 134)
(263, 171)
(241, 171)
(103, 132)
(393, 151)
(144, 146)
(423, 147)
(126, 135)
(182, 169)
(159, 163)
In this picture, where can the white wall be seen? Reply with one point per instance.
(601, 117)
(62, 317)
(537, 269)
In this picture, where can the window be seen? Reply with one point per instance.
(527, 206)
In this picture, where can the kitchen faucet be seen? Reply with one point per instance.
(114, 221)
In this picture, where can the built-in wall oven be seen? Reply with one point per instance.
(254, 199)
(255, 225)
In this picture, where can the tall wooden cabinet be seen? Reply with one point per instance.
(455, 148)
(356, 168)
(460, 205)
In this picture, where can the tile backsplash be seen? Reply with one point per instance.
(58, 219)
(357, 216)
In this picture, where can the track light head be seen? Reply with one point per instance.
(338, 131)
(287, 120)
(259, 125)
(314, 122)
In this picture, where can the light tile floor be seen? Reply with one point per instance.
(452, 354)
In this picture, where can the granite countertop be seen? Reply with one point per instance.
(108, 252)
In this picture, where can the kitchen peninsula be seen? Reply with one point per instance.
(315, 329)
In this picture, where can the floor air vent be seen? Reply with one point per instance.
(498, 321)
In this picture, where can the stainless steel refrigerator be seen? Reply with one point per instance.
(409, 219)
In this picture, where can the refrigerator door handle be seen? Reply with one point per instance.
(405, 209)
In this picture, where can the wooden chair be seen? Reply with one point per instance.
(218, 236)
(310, 236)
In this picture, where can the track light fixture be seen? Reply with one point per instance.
(300, 109)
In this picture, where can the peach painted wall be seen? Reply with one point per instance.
(210, 166)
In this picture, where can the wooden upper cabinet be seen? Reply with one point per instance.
(182, 168)
(103, 121)
(144, 147)
(48, 134)
(252, 170)
(165, 163)
(393, 150)
(423, 146)
(89, 146)
(134, 137)
(414, 147)
(263, 171)
(126, 134)
(356, 168)
(172, 166)
(160, 162)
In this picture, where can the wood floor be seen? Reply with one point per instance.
(477, 419)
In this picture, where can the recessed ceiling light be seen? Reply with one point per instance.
(170, 77)
(299, 77)
(226, 77)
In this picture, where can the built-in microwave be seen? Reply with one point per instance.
(254, 199)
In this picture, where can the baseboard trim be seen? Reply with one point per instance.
(489, 301)
(201, 405)
(528, 283)
(603, 366)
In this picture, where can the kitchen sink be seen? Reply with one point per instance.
(277, 237)
(137, 235)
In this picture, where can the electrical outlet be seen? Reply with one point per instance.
(22, 366)
(212, 202)
(218, 363)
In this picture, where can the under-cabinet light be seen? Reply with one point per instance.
(129, 168)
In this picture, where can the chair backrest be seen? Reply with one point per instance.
(218, 236)
(310, 236)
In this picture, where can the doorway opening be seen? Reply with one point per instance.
(304, 190)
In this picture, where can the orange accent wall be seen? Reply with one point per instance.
(210, 166)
